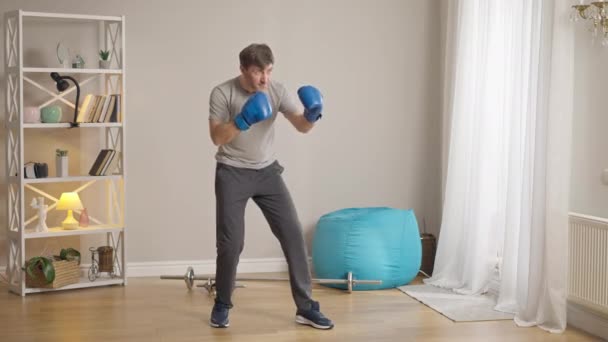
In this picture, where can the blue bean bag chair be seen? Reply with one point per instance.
(373, 243)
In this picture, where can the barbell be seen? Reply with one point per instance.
(209, 285)
(190, 277)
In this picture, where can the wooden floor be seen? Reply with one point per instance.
(150, 309)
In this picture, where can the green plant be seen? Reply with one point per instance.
(104, 54)
(69, 254)
(61, 153)
(45, 265)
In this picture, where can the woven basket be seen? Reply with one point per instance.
(106, 259)
(66, 273)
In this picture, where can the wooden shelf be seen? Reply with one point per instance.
(14, 179)
(58, 231)
(73, 71)
(70, 16)
(109, 196)
(67, 125)
(83, 283)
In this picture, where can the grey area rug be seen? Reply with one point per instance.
(457, 307)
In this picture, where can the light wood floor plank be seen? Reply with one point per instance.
(150, 309)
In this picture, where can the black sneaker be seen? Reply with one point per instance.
(314, 317)
(219, 315)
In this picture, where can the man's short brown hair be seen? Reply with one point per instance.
(259, 55)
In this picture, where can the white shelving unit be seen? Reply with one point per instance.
(21, 228)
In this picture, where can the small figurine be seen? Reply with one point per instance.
(42, 208)
(78, 62)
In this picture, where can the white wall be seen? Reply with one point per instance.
(590, 127)
(589, 152)
(378, 144)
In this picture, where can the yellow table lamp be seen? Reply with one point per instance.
(69, 201)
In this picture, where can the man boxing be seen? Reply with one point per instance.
(242, 112)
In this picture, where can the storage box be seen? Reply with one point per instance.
(429, 248)
(66, 273)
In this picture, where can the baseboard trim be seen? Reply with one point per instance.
(587, 320)
(202, 267)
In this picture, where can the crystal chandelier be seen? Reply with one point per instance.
(594, 14)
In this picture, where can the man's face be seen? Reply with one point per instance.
(256, 78)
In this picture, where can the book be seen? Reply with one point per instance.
(116, 112)
(92, 109)
(99, 162)
(111, 164)
(110, 109)
(83, 112)
(104, 162)
(95, 117)
(104, 109)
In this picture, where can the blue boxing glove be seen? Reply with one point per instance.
(312, 100)
(256, 109)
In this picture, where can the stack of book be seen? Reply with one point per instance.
(100, 108)
(106, 163)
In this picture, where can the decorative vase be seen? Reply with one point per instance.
(50, 114)
(31, 115)
(61, 164)
(63, 55)
(84, 218)
(104, 64)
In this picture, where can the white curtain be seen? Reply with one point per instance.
(509, 79)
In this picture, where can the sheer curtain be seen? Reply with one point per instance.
(509, 106)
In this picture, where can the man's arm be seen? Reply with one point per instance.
(221, 129)
(313, 106)
(222, 133)
(299, 122)
(257, 108)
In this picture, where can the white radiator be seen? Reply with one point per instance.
(588, 262)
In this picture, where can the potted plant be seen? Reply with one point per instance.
(104, 59)
(40, 266)
(69, 254)
(56, 271)
(61, 162)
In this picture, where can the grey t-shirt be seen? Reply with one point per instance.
(252, 148)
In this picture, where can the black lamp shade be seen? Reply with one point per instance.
(61, 83)
(55, 76)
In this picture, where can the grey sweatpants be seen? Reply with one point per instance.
(233, 188)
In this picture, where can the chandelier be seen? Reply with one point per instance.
(594, 14)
